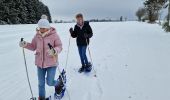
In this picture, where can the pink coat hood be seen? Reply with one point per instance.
(40, 45)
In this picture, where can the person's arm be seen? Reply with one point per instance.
(74, 33)
(31, 46)
(90, 31)
(57, 44)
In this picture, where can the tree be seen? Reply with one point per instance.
(42, 9)
(167, 6)
(22, 11)
(166, 25)
(121, 18)
(153, 7)
(140, 13)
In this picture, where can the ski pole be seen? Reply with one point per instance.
(68, 52)
(51, 47)
(25, 62)
(91, 58)
(67, 64)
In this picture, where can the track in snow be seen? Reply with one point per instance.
(131, 60)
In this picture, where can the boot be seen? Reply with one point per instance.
(60, 89)
(88, 67)
(82, 69)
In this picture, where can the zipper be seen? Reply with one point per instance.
(43, 54)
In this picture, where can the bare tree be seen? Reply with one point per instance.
(140, 13)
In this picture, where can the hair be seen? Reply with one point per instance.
(79, 15)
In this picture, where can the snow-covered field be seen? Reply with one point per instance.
(132, 61)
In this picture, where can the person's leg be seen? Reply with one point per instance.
(81, 55)
(84, 48)
(51, 71)
(52, 82)
(80, 48)
(88, 65)
(41, 81)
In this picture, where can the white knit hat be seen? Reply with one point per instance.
(43, 23)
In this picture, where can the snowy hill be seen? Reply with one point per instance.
(131, 60)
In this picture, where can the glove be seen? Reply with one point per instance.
(71, 30)
(52, 52)
(86, 35)
(22, 44)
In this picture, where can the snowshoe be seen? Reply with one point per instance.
(88, 67)
(63, 74)
(60, 93)
(60, 88)
(82, 69)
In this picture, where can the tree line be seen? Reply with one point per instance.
(22, 11)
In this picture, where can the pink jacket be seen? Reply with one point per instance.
(40, 45)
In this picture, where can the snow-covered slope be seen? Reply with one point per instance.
(131, 60)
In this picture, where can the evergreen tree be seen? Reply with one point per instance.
(166, 24)
(153, 7)
(22, 11)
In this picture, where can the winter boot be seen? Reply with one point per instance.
(82, 69)
(88, 67)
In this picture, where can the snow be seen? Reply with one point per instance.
(131, 60)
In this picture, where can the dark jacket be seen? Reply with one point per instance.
(80, 32)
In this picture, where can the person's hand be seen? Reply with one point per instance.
(22, 44)
(86, 35)
(71, 30)
(52, 52)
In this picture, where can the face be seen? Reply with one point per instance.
(43, 30)
(80, 20)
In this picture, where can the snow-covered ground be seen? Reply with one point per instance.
(132, 61)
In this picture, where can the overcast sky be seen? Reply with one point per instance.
(66, 9)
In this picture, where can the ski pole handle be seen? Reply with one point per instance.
(22, 39)
(51, 47)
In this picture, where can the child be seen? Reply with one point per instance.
(82, 31)
(45, 58)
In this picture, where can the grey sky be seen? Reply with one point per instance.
(66, 9)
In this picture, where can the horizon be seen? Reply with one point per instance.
(93, 9)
